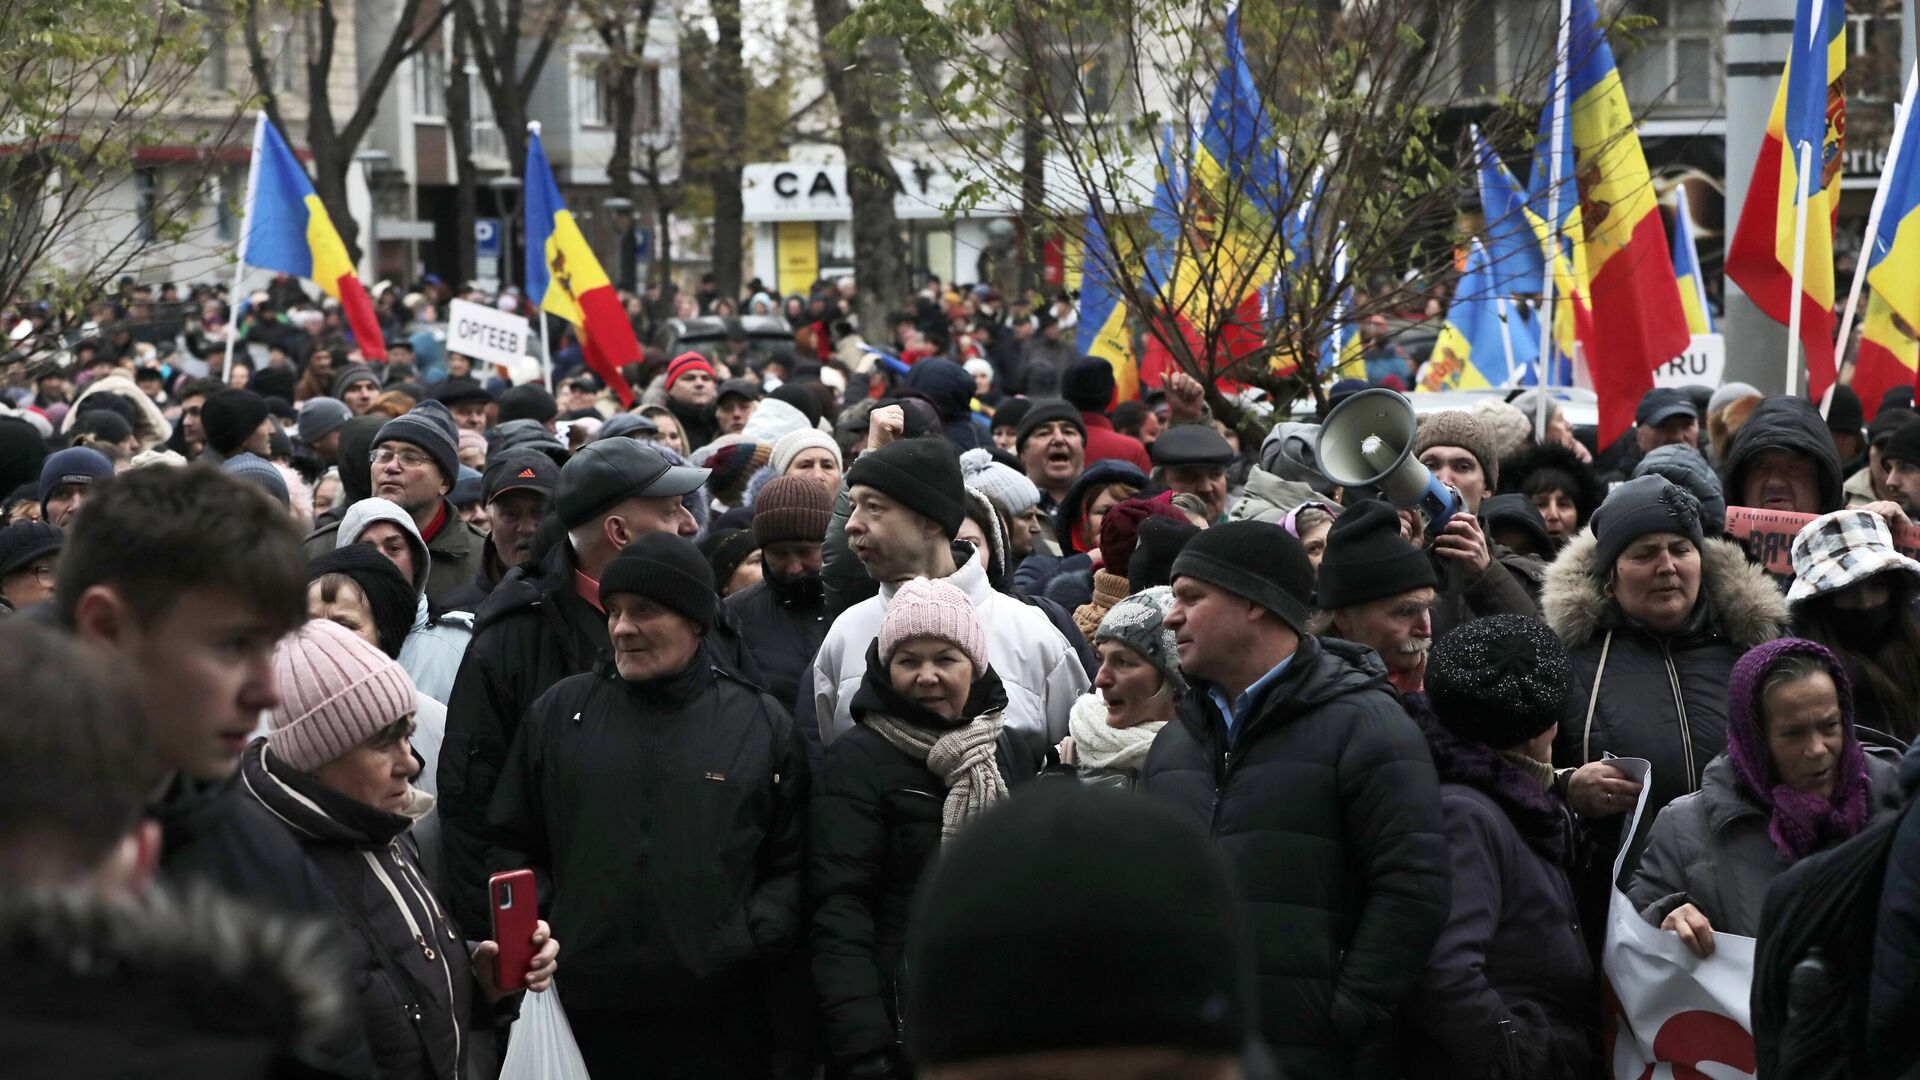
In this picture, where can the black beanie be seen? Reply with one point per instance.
(1367, 560)
(1904, 443)
(229, 416)
(668, 570)
(1845, 415)
(1009, 413)
(1159, 542)
(430, 427)
(389, 594)
(1646, 504)
(1254, 559)
(1077, 918)
(273, 382)
(1088, 384)
(528, 401)
(922, 475)
(1500, 680)
(725, 550)
(1046, 412)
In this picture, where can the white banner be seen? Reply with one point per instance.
(489, 335)
(1672, 1015)
(1703, 364)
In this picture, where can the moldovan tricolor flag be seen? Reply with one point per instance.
(1808, 107)
(1470, 354)
(287, 230)
(565, 279)
(1102, 323)
(1638, 323)
(1888, 353)
(1686, 266)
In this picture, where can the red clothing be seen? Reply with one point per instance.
(433, 527)
(1104, 443)
(588, 589)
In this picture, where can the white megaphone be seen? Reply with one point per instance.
(1364, 442)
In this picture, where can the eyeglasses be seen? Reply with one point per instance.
(408, 459)
(43, 572)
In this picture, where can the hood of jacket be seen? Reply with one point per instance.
(366, 512)
(1322, 670)
(1747, 606)
(1107, 471)
(316, 812)
(527, 585)
(1288, 453)
(149, 423)
(1268, 497)
(946, 384)
(1787, 423)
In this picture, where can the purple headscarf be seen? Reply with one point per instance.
(1801, 821)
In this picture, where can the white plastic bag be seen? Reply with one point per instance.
(541, 1045)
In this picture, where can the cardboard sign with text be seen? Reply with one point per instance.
(487, 334)
(1768, 536)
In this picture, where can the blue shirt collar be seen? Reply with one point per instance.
(1232, 711)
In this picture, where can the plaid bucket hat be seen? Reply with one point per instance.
(1840, 549)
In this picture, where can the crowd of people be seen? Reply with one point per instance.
(864, 709)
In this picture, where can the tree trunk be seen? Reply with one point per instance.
(879, 256)
(728, 77)
(330, 167)
(1031, 245)
(460, 133)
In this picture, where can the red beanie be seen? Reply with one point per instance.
(1120, 528)
(685, 362)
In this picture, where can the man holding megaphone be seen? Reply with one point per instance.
(1438, 469)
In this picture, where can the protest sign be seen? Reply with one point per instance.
(1668, 1012)
(1768, 536)
(487, 334)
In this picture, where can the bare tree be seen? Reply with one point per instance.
(331, 141)
(511, 41)
(863, 73)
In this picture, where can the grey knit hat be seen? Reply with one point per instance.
(320, 417)
(1455, 427)
(1009, 488)
(430, 427)
(1650, 504)
(1683, 465)
(1139, 623)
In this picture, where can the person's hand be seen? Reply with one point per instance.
(1066, 750)
(1696, 933)
(1890, 511)
(486, 958)
(885, 424)
(1599, 789)
(1186, 399)
(1463, 542)
(1579, 449)
(1412, 527)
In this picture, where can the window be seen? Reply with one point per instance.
(646, 112)
(1083, 73)
(1678, 61)
(229, 188)
(213, 38)
(592, 93)
(1873, 57)
(146, 186)
(1505, 45)
(430, 82)
(288, 55)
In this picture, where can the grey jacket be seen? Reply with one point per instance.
(1711, 849)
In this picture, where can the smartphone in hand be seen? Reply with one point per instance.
(515, 905)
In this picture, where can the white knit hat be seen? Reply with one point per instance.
(336, 691)
(794, 443)
(935, 609)
(1009, 489)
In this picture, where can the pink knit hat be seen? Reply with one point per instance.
(336, 692)
(935, 609)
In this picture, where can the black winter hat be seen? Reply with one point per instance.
(1011, 412)
(1088, 384)
(1518, 512)
(104, 425)
(921, 474)
(24, 541)
(1046, 412)
(350, 374)
(605, 474)
(1155, 547)
(1647, 504)
(1845, 414)
(1500, 680)
(999, 959)
(1903, 444)
(453, 391)
(388, 593)
(725, 550)
(1190, 444)
(1253, 559)
(528, 401)
(1367, 560)
(1548, 466)
(1888, 422)
(22, 451)
(430, 427)
(229, 416)
(668, 570)
(271, 382)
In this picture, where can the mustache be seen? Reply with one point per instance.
(1413, 646)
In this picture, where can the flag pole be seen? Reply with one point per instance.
(1879, 204)
(1557, 134)
(240, 246)
(1799, 267)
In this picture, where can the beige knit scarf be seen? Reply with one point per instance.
(962, 757)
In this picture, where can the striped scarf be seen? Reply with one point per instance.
(962, 757)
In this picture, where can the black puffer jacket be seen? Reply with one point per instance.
(782, 626)
(533, 631)
(666, 823)
(1326, 803)
(876, 823)
(1788, 423)
(1646, 696)
(408, 965)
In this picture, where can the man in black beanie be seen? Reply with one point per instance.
(416, 462)
(1000, 979)
(1052, 445)
(1088, 386)
(907, 501)
(1294, 753)
(235, 421)
(668, 785)
(1901, 452)
(529, 401)
(1377, 590)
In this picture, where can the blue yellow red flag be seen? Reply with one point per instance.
(1889, 354)
(1102, 323)
(1470, 353)
(1513, 244)
(564, 277)
(1686, 267)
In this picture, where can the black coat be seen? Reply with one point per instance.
(1787, 423)
(1893, 1038)
(876, 816)
(408, 965)
(214, 834)
(533, 631)
(666, 823)
(1325, 802)
(782, 628)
